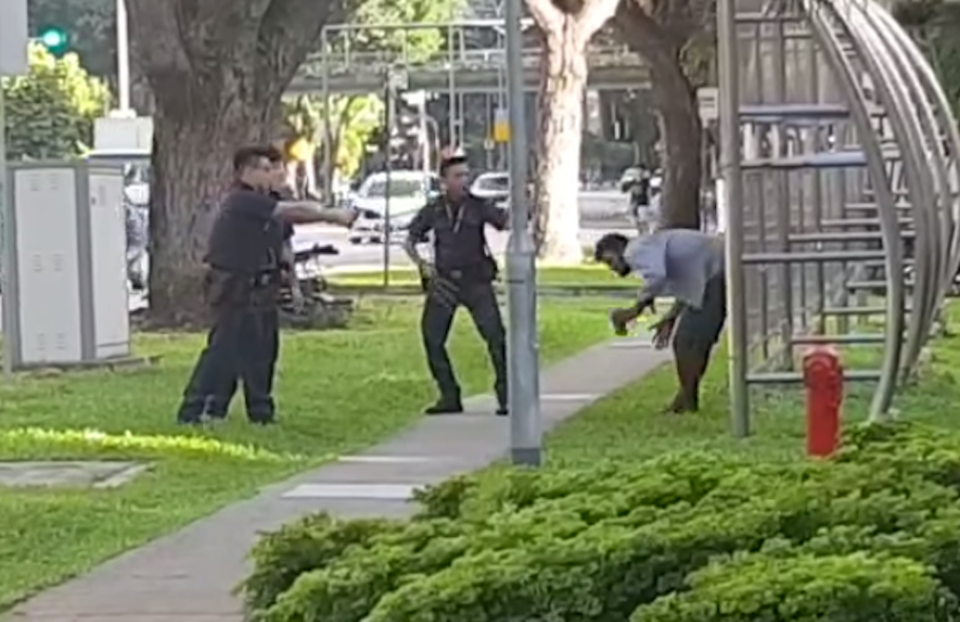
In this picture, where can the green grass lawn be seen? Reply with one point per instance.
(629, 425)
(586, 276)
(337, 392)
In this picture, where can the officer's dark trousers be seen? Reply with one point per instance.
(242, 345)
(438, 313)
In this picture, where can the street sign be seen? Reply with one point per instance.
(708, 104)
(13, 38)
(501, 126)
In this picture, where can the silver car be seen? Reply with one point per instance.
(492, 186)
(408, 192)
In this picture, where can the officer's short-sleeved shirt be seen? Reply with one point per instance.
(458, 231)
(247, 237)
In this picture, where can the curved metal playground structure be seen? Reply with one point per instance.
(839, 151)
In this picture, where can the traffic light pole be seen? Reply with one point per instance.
(524, 373)
(388, 115)
(9, 303)
(123, 57)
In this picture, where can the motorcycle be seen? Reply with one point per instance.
(319, 309)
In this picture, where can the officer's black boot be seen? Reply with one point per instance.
(448, 404)
(500, 388)
(191, 410)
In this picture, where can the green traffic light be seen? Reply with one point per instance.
(54, 39)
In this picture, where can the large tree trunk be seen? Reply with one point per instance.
(557, 176)
(566, 34)
(217, 71)
(675, 100)
(192, 172)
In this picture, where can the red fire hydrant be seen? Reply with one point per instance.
(823, 378)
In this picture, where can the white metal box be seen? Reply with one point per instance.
(67, 300)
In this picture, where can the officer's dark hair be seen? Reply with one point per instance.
(250, 155)
(447, 163)
(610, 243)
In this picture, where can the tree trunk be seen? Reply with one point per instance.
(557, 177)
(675, 100)
(192, 171)
(217, 71)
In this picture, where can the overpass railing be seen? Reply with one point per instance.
(340, 62)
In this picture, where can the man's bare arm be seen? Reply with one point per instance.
(311, 212)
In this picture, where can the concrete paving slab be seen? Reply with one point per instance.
(72, 474)
(188, 576)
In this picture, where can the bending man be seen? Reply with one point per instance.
(684, 264)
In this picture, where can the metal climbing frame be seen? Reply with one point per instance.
(839, 155)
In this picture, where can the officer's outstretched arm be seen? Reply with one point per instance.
(309, 212)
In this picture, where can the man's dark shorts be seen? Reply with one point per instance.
(702, 327)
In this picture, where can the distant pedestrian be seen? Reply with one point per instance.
(243, 258)
(688, 266)
(463, 273)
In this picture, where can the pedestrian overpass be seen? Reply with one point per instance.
(460, 66)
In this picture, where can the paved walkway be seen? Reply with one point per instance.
(188, 576)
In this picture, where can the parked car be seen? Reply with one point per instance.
(408, 192)
(493, 186)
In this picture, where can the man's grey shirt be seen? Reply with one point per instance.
(676, 263)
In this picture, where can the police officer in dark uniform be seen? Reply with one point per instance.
(243, 257)
(462, 273)
(218, 405)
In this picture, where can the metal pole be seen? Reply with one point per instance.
(123, 57)
(327, 129)
(388, 169)
(524, 374)
(9, 301)
(451, 90)
(729, 104)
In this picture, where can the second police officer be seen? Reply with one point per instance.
(462, 273)
(243, 260)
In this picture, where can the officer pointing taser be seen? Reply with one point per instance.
(462, 273)
(243, 258)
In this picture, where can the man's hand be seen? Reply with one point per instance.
(344, 217)
(621, 318)
(662, 331)
(427, 270)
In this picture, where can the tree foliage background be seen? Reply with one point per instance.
(51, 110)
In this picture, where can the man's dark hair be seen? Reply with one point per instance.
(610, 243)
(447, 163)
(251, 155)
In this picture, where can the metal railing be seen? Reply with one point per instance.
(348, 61)
(842, 182)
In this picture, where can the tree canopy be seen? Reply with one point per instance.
(51, 110)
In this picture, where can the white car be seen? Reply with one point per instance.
(492, 186)
(409, 191)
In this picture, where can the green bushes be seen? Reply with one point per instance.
(832, 588)
(690, 537)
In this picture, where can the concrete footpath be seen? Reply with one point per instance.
(188, 576)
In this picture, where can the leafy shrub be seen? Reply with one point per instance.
(595, 545)
(857, 587)
(609, 569)
(312, 542)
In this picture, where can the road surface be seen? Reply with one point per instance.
(600, 212)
